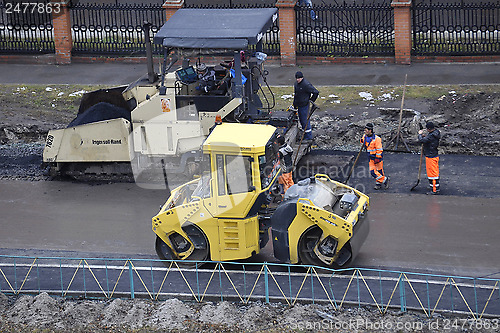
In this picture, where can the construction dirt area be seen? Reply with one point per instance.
(467, 116)
(469, 123)
(43, 313)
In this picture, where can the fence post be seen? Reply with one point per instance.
(402, 293)
(131, 277)
(288, 32)
(171, 6)
(402, 31)
(63, 42)
(266, 282)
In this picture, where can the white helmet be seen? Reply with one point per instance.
(201, 67)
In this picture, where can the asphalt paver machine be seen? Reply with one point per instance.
(160, 121)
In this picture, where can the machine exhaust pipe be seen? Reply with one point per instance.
(149, 52)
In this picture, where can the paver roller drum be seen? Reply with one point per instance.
(320, 222)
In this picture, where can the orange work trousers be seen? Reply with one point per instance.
(432, 168)
(286, 180)
(377, 171)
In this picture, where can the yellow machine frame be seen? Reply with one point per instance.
(210, 218)
(222, 217)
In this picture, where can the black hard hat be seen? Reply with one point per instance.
(281, 139)
(369, 126)
(429, 125)
(298, 75)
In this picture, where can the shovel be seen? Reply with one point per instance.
(354, 164)
(419, 168)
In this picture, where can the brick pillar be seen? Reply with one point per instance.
(62, 34)
(171, 7)
(288, 32)
(402, 31)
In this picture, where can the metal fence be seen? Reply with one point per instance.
(117, 28)
(456, 28)
(114, 29)
(353, 29)
(244, 282)
(345, 30)
(25, 30)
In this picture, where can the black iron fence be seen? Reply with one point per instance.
(345, 30)
(271, 40)
(114, 29)
(25, 29)
(456, 28)
(117, 28)
(348, 29)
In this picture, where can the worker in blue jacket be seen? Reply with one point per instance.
(304, 92)
(430, 141)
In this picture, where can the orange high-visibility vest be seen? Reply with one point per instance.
(373, 146)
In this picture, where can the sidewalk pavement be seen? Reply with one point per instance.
(318, 75)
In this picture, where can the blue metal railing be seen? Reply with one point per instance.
(148, 278)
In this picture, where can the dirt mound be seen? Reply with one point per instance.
(259, 317)
(42, 311)
(342, 132)
(32, 314)
(132, 313)
(171, 314)
(469, 124)
(80, 314)
(224, 313)
(22, 133)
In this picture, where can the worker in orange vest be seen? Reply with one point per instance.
(430, 140)
(285, 153)
(373, 144)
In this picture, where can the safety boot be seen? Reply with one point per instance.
(433, 192)
(378, 186)
(386, 183)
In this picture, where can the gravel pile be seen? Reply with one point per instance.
(48, 314)
(22, 161)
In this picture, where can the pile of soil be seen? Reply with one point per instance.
(42, 312)
(469, 124)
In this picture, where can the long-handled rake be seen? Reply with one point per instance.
(354, 164)
(419, 167)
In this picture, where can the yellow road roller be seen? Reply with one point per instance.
(229, 212)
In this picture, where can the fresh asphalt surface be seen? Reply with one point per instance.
(455, 233)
